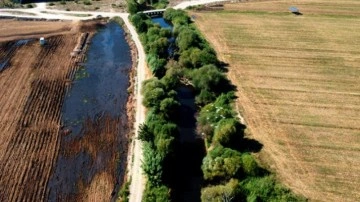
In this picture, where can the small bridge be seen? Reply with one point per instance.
(154, 13)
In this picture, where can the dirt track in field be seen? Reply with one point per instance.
(33, 83)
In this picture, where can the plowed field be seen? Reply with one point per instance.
(33, 83)
(298, 81)
(11, 29)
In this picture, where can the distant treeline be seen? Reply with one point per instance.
(135, 6)
(230, 172)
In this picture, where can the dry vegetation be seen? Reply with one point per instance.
(88, 5)
(298, 80)
(32, 89)
(13, 29)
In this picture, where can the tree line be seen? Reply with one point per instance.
(230, 172)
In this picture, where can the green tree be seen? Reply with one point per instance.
(145, 133)
(156, 194)
(208, 77)
(169, 105)
(266, 189)
(139, 20)
(221, 164)
(152, 164)
(250, 166)
(178, 17)
(228, 192)
(153, 91)
(156, 64)
(132, 6)
(228, 132)
(186, 39)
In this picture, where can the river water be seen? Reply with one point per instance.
(94, 121)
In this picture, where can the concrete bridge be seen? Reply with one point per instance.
(154, 13)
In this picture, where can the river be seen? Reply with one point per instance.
(94, 143)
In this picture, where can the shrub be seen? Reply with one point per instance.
(211, 114)
(87, 2)
(208, 77)
(231, 191)
(221, 164)
(133, 7)
(177, 17)
(250, 166)
(139, 21)
(266, 189)
(125, 192)
(156, 65)
(228, 132)
(156, 194)
(187, 38)
(152, 164)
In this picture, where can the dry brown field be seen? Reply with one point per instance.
(12, 29)
(32, 90)
(298, 87)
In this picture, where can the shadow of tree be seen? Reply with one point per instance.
(297, 13)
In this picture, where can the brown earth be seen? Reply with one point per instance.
(298, 86)
(12, 29)
(32, 89)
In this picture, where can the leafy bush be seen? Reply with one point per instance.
(266, 189)
(156, 194)
(187, 38)
(156, 65)
(208, 77)
(211, 114)
(250, 166)
(228, 132)
(221, 164)
(124, 192)
(139, 20)
(177, 17)
(87, 2)
(152, 165)
(231, 191)
(133, 7)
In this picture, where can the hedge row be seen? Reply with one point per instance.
(230, 172)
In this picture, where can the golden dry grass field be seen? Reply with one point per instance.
(298, 80)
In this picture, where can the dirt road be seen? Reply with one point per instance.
(137, 178)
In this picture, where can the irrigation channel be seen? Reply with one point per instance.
(187, 175)
(94, 146)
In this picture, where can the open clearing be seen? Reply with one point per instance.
(298, 80)
(33, 83)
